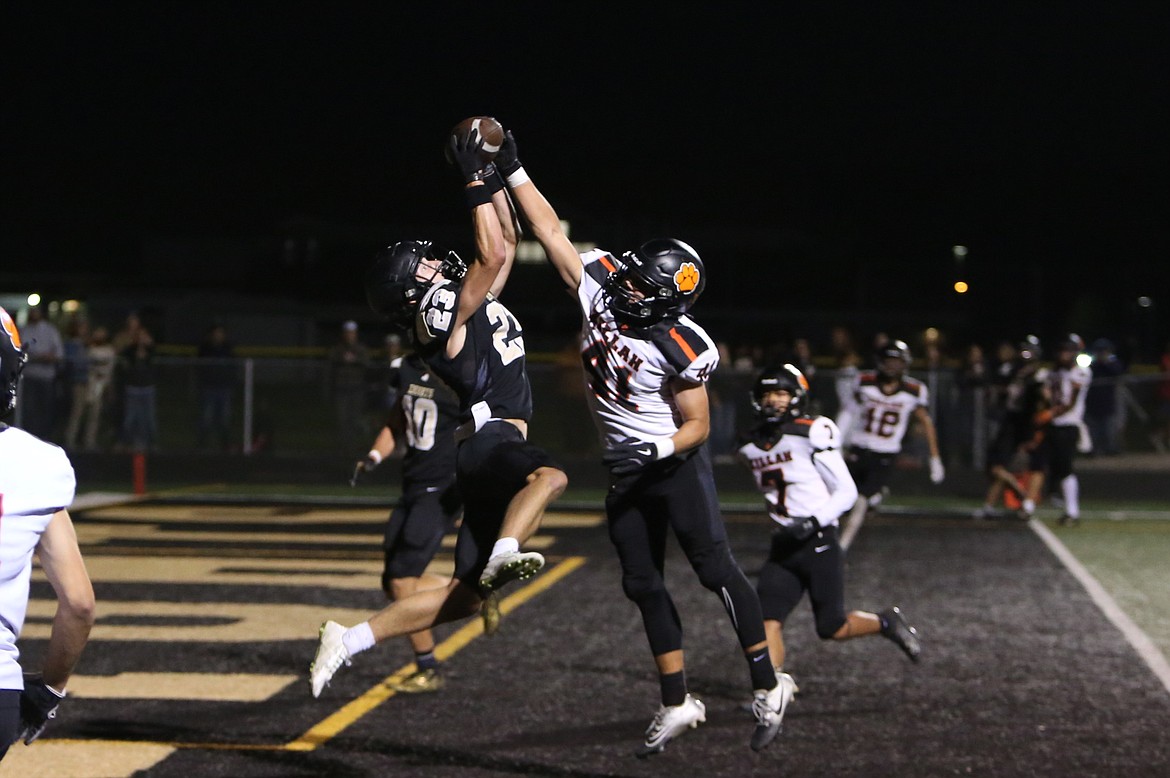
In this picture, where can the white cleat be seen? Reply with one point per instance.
(670, 722)
(331, 655)
(510, 566)
(768, 708)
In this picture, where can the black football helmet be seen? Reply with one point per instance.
(661, 280)
(786, 378)
(12, 359)
(393, 287)
(1029, 349)
(895, 349)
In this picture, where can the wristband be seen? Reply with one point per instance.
(664, 447)
(477, 195)
(375, 456)
(492, 178)
(518, 177)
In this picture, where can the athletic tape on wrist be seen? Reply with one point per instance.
(518, 177)
(664, 447)
(375, 455)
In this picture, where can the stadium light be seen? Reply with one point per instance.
(961, 287)
(34, 300)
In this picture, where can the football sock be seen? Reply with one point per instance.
(674, 688)
(426, 660)
(1070, 488)
(505, 545)
(763, 674)
(359, 638)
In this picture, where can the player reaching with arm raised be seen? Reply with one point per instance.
(36, 486)
(797, 465)
(646, 365)
(474, 345)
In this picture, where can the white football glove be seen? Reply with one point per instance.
(937, 471)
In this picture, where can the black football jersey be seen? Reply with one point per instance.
(431, 412)
(489, 374)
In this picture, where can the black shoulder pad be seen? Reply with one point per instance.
(798, 426)
(679, 344)
(602, 269)
(913, 386)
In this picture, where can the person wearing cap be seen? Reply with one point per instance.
(37, 484)
(348, 361)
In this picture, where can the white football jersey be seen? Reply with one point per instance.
(800, 471)
(36, 481)
(880, 420)
(628, 377)
(1069, 385)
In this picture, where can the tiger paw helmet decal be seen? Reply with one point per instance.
(686, 278)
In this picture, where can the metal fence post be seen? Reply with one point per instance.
(248, 400)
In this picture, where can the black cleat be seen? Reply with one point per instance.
(1068, 521)
(895, 628)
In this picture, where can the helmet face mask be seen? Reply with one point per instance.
(12, 359)
(787, 379)
(893, 359)
(403, 273)
(660, 281)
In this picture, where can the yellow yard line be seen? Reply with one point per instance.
(333, 725)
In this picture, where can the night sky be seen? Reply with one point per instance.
(821, 159)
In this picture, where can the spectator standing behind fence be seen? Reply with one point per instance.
(846, 362)
(348, 361)
(971, 381)
(74, 374)
(139, 419)
(38, 390)
(1161, 435)
(1102, 404)
(90, 409)
(217, 381)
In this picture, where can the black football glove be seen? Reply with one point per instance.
(464, 152)
(630, 456)
(506, 160)
(800, 528)
(38, 704)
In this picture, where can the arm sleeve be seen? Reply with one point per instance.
(842, 491)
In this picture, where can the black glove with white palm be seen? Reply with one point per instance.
(38, 704)
(508, 163)
(633, 455)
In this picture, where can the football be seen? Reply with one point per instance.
(490, 130)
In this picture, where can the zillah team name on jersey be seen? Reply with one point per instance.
(626, 376)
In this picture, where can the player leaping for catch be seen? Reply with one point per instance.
(472, 343)
(646, 367)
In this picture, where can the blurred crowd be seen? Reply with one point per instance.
(968, 387)
(91, 386)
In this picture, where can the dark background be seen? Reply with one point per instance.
(823, 159)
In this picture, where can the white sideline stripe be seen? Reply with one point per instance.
(1140, 641)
